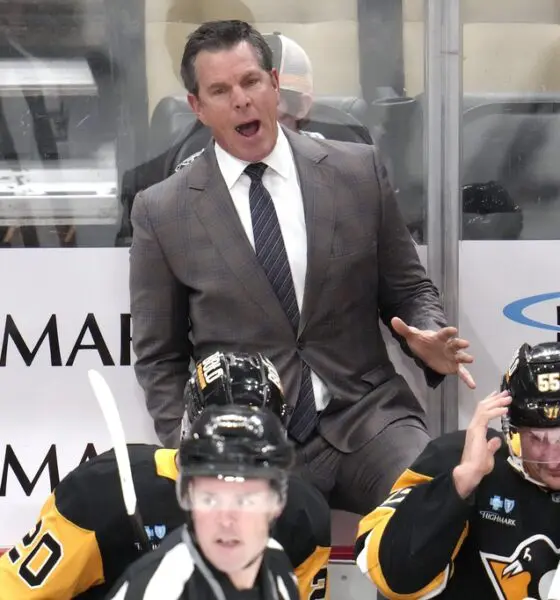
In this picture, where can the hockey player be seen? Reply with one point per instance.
(234, 465)
(478, 514)
(83, 540)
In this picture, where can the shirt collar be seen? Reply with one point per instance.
(280, 160)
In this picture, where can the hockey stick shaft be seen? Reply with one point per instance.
(108, 407)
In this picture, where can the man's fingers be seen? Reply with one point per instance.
(457, 344)
(465, 376)
(399, 326)
(493, 401)
(447, 333)
(493, 406)
(464, 357)
(482, 419)
(495, 397)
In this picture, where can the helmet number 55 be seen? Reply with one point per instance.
(548, 382)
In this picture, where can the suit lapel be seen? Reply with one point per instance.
(316, 180)
(218, 215)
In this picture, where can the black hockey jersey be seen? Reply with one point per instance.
(177, 571)
(83, 540)
(501, 542)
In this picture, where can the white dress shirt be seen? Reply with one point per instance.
(282, 182)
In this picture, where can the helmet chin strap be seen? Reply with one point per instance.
(517, 464)
(261, 553)
(253, 560)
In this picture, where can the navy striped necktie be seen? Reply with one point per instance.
(271, 254)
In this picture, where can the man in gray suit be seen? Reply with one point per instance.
(294, 247)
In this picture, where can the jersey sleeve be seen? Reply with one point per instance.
(57, 559)
(312, 575)
(119, 592)
(408, 544)
(158, 575)
(304, 531)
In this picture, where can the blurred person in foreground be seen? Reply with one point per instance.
(84, 540)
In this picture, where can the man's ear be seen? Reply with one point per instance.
(277, 510)
(195, 104)
(275, 79)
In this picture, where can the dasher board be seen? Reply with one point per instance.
(69, 192)
(32, 76)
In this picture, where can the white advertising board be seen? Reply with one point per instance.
(62, 311)
(520, 278)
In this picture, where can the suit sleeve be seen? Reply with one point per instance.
(405, 290)
(408, 544)
(57, 559)
(159, 306)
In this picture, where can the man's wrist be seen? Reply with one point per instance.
(466, 481)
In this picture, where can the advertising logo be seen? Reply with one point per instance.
(516, 311)
(28, 481)
(90, 338)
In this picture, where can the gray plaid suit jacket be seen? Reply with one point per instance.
(196, 286)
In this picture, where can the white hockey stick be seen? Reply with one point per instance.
(110, 412)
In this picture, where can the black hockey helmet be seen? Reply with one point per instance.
(490, 213)
(227, 379)
(239, 442)
(532, 424)
(533, 381)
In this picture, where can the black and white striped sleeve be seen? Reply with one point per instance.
(159, 575)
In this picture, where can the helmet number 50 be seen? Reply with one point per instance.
(548, 382)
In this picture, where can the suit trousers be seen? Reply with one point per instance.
(359, 481)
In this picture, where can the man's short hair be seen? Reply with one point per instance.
(221, 35)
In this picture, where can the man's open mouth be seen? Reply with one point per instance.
(227, 543)
(249, 129)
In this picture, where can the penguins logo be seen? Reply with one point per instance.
(528, 572)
